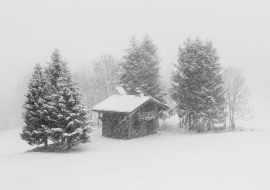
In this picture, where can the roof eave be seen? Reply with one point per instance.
(96, 110)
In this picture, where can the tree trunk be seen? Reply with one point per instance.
(232, 124)
(188, 122)
(232, 121)
(209, 125)
(46, 142)
(68, 143)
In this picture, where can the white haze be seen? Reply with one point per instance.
(84, 30)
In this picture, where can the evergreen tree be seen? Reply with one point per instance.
(141, 69)
(198, 86)
(130, 67)
(36, 109)
(68, 119)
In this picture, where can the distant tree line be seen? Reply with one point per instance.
(204, 94)
(98, 80)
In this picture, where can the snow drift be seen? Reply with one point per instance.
(239, 160)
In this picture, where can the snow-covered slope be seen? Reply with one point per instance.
(239, 160)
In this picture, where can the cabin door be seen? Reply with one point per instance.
(150, 127)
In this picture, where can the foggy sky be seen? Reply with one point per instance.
(84, 30)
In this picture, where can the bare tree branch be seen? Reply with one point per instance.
(236, 96)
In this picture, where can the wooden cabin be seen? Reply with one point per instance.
(129, 116)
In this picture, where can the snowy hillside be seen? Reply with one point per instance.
(239, 160)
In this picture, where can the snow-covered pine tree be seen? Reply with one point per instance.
(36, 109)
(69, 121)
(198, 86)
(130, 67)
(141, 69)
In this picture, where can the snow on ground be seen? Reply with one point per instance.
(231, 161)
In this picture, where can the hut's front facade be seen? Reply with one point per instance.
(129, 116)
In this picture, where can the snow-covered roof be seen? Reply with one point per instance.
(123, 103)
(121, 90)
